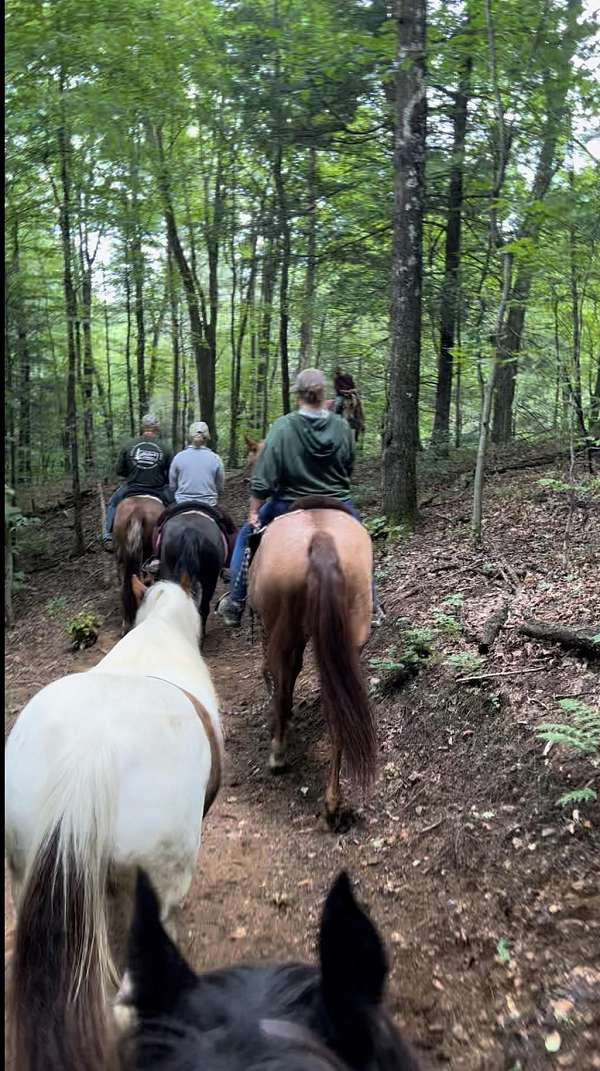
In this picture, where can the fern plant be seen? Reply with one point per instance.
(580, 731)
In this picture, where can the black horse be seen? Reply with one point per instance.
(290, 1017)
(194, 548)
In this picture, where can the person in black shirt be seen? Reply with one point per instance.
(144, 463)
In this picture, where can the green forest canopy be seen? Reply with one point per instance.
(200, 200)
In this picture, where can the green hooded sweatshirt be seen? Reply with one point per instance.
(305, 455)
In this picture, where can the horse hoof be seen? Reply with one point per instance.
(278, 766)
(341, 820)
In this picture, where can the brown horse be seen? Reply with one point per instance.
(134, 524)
(311, 579)
(254, 447)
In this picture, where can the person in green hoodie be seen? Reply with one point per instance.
(309, 452)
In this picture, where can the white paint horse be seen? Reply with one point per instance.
(106, 771)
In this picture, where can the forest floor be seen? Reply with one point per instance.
(485, 890)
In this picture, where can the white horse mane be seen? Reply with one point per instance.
(168, 600)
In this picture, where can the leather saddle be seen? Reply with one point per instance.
(222, 519)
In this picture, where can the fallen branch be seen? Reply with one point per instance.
(506, 673)
(491, 627)
(583, 640)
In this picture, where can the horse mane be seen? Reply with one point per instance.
(166, 599)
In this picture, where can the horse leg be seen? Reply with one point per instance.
(283, 668)
(332, 792)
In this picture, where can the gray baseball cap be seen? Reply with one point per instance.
(150, 421)
(200, 427)
(309, 379)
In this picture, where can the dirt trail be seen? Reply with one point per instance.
(460, 851)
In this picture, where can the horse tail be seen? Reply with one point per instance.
(62, 966)
(132, 560)
(344, 695)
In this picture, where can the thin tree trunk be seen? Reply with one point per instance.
(109, 420)
(510, 339)
(87, 378)
(286, 253)
(137, 263)
(201, 348)
(64, 149)
(486, 411)
(175, 347)
(129, 373)
(402, 422)
(450, 289)
(157, 330)
(306, 327)
(269, 270)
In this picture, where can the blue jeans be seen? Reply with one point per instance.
(111, 509)
(272, 508)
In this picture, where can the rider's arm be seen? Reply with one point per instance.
(123, 463)
(255, 504)
(173, 474)
(220, 477)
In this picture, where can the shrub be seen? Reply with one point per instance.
(83, 630)
(580, 732)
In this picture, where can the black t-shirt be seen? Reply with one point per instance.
(145, 462)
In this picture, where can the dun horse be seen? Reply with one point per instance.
(105, 771)
(311, 579)
(134, 524)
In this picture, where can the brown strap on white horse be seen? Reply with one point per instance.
(216, 759)
(216, 756)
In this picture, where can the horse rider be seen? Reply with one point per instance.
(347, 402)
(197, 474)
(144, 464)
(309, 452)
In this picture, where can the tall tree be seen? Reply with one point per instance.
(402, 418)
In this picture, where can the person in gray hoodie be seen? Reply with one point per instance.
(197, 474)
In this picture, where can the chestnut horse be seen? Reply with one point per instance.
(311, 579)
(134, 524)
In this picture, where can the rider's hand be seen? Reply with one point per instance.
(253, 518)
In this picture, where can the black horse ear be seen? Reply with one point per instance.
(158, 971)
(353, 971)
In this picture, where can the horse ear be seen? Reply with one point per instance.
(139, 589)
(185, 583)
(353, 970)
(159, 973)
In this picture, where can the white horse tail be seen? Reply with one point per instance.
(62, 964)
(133, 554)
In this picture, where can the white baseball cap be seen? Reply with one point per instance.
(200, 427)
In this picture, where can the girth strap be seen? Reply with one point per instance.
(216, 754)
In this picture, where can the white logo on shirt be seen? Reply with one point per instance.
(145, 457)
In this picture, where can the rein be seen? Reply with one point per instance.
(216, 753)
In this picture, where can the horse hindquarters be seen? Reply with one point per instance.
(343, 692)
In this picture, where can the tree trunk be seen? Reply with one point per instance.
(269, 271)
(156, 333)
(129, 374)
(306, 327)
(87, 378)
(201, 348)
(64, 149)
(286, 253)
(510, 339)
(175, 347)
(213, 238)
(137, 264)
(451, 285)
(23, 474)
(402, 418)
(109, 419)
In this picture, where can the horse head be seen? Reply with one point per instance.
(169, 600)
(291, 1016)
(253, 448)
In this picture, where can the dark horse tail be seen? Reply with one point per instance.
(343, 692)
(132, 555)
(58, 1013)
